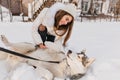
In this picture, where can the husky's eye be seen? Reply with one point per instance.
(69, 51)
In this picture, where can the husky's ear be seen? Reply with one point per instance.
(83, 51)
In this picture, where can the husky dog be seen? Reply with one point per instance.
(72, 65)
(21, 47)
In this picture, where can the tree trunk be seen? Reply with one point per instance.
(1, 13)
(9, 7)
(91, 9)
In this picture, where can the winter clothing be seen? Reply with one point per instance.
(43, 35)
(50, 14)
(46, 36)
(46, 18)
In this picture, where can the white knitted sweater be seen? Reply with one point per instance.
(46, 17)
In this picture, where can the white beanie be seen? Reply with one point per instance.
(50, 14)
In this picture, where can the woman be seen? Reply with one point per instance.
(54, 24)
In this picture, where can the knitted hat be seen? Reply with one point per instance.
(50, 14)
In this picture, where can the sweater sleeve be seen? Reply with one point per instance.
(36, 36)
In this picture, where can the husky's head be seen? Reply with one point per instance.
(78, 63)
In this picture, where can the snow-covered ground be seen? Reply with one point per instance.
(100, 39)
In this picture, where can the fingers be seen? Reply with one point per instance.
(42, 46)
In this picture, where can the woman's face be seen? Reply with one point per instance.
(65, 20)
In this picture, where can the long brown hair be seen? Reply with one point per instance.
(67, 28)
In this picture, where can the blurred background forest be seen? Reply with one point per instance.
(86, 9)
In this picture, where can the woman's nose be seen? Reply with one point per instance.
(65, 22)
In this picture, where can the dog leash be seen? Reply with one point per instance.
(25, 56)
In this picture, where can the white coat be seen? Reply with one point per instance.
(46, 17)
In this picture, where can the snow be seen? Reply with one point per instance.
(100, 39)
(16, 31)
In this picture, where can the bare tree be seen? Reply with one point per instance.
(81, 14)
(21, 10)
(9, 6)
(91, 9)
(117, 9)
(1, 12)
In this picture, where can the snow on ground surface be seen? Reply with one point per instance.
(100, 39)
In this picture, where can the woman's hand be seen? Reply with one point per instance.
(42, 46)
